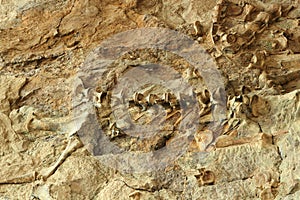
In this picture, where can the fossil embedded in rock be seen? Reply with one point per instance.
(233, 10)
(152, 99)
(203, 139)
(258, 59)
(245, 89)
(204, 100)
(100, 98)
(229, 38)
(254, 103)
(114, 131)
(218, 12)
(259, 24)
(198, 28)
(246, 100)
(263, 79)
(256, 27)
(263, 17)
(139, 99)
(281, 42)
(248, 9)
(259, 106)
(205, 177)
(170, 99)
(204, 97)
(275, 10)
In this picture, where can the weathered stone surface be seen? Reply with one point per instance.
(10, 92)
(253, 154)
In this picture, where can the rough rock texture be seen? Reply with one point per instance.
(254, 155)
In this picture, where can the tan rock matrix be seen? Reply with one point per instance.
(149, 99)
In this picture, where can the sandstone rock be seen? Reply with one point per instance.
(239, 141)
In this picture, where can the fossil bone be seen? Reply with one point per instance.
(73, 145)
(233, 9)
(205, 177)
(100, 98)
(139, 99)
(203, 139)
(198, 28)
(248, 9)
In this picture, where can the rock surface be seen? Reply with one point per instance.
(245, 146)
